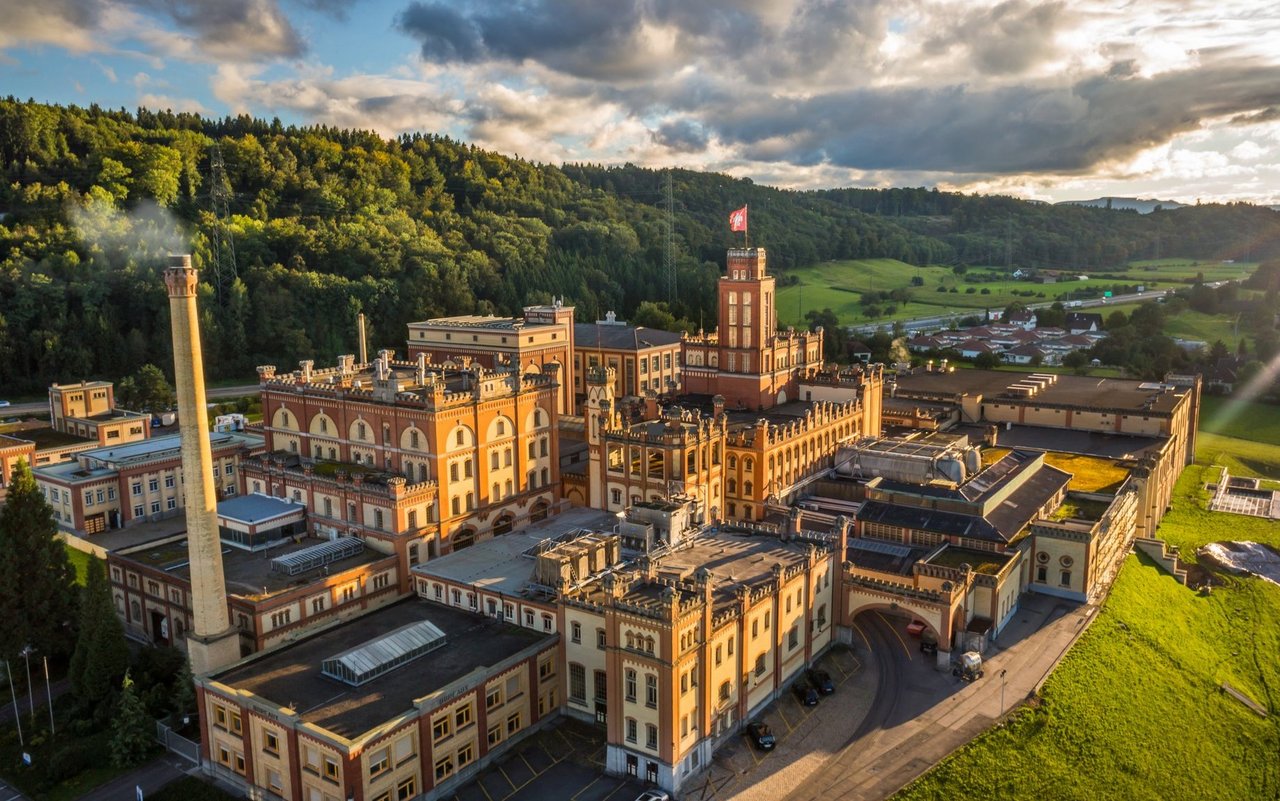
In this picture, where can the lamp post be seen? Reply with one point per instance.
(31, 699)
(17, 716)
(1002, 672)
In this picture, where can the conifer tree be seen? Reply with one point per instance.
(184, 693)
(101, 657)
(38, 599)
(131, 738)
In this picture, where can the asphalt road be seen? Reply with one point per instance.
(920, 714)
(19, 409)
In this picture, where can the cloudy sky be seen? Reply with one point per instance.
(1175, 99)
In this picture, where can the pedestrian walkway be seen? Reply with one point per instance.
(150, 777)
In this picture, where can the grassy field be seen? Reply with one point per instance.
(1240, 419)
(80, 561)
(1176, 268)
(838, 285)
(1135, 709)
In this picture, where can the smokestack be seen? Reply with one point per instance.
(364, 348)
(213, 643)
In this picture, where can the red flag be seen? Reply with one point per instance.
(738, 220)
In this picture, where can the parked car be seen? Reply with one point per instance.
(3, 404)
(805, 693)
(929, 643)
(654, 795)
(821, 681)
(761, 735)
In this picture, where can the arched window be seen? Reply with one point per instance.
(724, 691)
(749, 464)
(733, 486)
(733, 463)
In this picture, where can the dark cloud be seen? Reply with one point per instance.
(239, 30)
(56, 21)
(446, 35)
(338, 9)
(1265, 115)
(682, 136)
(641, 39)
(1022, 129)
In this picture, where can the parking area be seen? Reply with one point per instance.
(804, 734)
(567, 762)
(563, 763)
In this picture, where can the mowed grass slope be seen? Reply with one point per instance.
(1135, 711)
(838, 285)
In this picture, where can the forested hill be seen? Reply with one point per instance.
(326, 223)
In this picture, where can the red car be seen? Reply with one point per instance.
(916, 627)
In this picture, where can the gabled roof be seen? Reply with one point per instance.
(1026, 350)
(977, 345)
(1078, 321)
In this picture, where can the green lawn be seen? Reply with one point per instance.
(1242, 419)
(1135, 710)
(80, 561)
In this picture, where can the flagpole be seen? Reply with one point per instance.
(746, 225)
(48, 691)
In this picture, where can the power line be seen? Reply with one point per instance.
(224, 249)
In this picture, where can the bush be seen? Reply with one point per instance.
(985, 291)
(970, 290)
(942, 289)
(72, 759)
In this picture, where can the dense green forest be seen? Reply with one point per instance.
(326, 223)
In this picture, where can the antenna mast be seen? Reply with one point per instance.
(670, 255)
(224, 249)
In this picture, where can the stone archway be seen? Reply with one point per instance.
(782, 396)
(538, 512)
(463, 538)
(901, 614)
(503, 524)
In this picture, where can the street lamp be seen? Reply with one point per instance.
(31, 699)
(1002, 672)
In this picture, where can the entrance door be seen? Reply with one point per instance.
(602, 712)
(159, 627)
(651, 772)
(633, 765)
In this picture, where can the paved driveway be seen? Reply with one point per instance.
(806, 737)
(564, 763)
